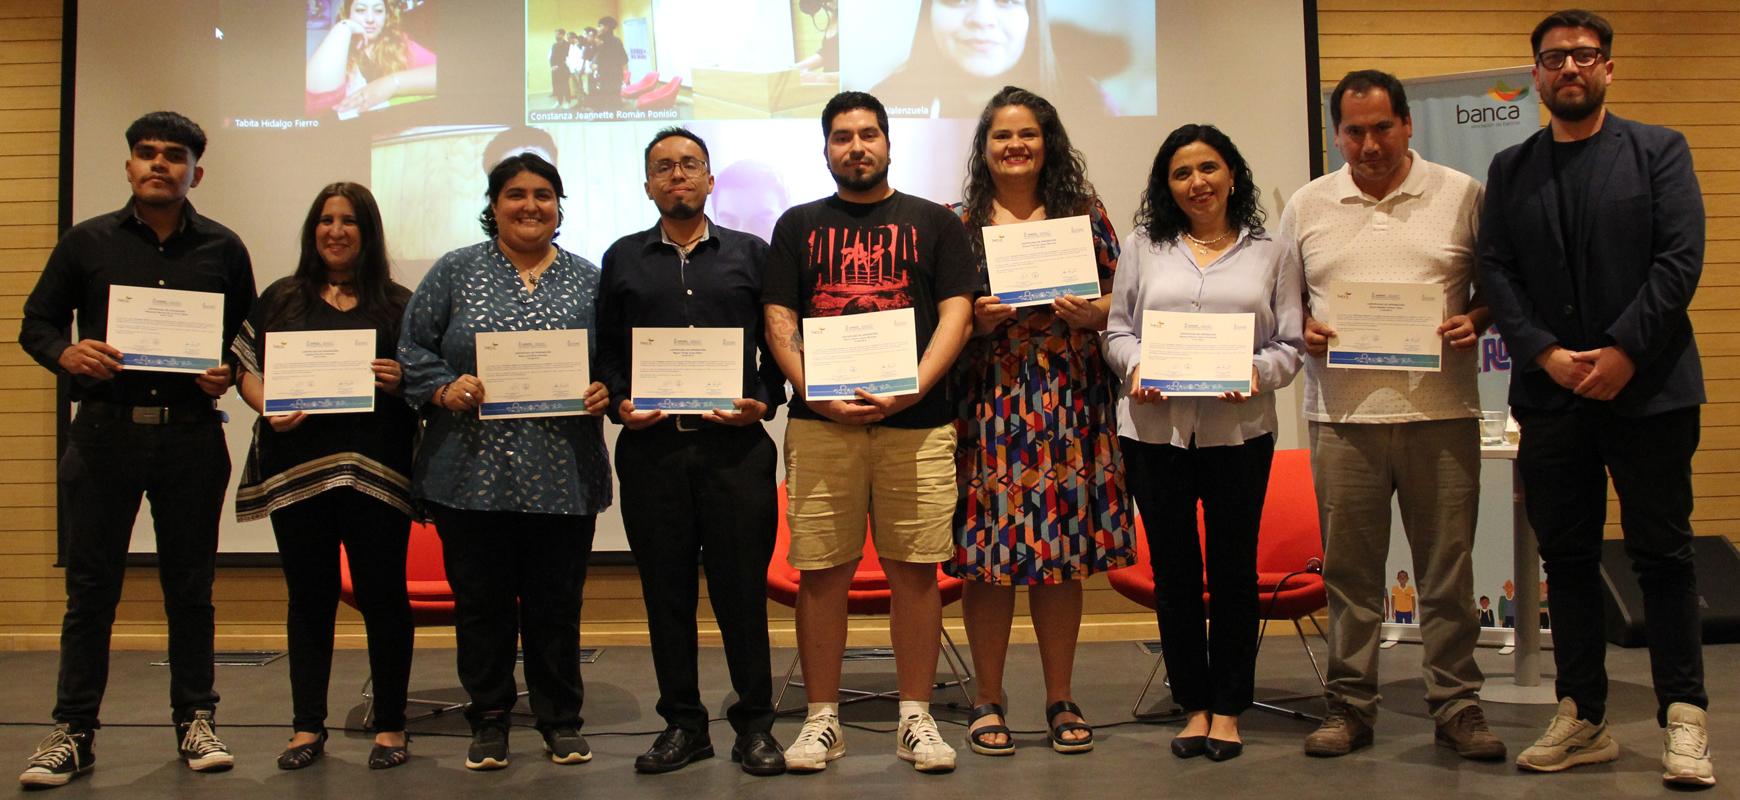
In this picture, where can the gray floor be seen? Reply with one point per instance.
(136, 756)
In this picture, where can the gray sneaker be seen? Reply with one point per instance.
(1468, 734)
(1685, 758)
(1569, 742)
(1342, 732)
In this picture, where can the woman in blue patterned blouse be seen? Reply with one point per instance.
(515, 500)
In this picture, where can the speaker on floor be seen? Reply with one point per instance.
(1718, 592)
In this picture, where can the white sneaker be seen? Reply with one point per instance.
(1685, 757)
(1569, 742)
(819, 742)
(920, 743)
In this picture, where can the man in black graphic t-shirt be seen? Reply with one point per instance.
(869, 248)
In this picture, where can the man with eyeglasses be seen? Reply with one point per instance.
(697, 489)
(1591, 244)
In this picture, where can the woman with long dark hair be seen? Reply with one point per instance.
(1042, 501)
(332, 479)
(964, 51)
(1199, 246)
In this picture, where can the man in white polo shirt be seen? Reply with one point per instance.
(1392, 216)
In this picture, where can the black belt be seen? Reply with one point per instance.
(180, 414)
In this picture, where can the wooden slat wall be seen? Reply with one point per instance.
(1676, 63)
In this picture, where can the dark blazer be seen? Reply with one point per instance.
(1643, 253)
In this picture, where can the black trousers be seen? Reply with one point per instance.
(374, 536)
(705, 496)
(1213, 670)
(109, 464)
(1565, 459)
(517, 576)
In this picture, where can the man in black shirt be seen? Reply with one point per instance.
(695, 483)
(137, 433)
(1591, 245)
(869, 248)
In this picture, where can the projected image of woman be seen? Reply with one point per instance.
(516, 501)
(1042, 502)
(1199, 247)
(366, 60)
(327, 479)
(964, 51)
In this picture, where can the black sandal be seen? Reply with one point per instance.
(1058, 729)
(302, 755)
(384, 757)
(975, 736)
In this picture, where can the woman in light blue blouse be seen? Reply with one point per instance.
(1199, 246)
(514, 500)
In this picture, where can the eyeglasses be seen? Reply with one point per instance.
(691, 166)
(1581, 56)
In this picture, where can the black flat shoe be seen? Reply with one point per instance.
(1058, 729)
(759, 754)
(383, 757)
(1222, 749)
(1189, 746)
(674, 749)
(302, 755)
(977, 737)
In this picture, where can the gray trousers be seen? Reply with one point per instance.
(1433, 470)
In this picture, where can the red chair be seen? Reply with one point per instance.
(869, 594)
(432, 605)
(663, 97)
(1289, 567)
(646, 82)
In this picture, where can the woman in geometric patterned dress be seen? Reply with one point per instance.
(1042, 485)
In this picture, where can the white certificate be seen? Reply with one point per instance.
(319, 372)
(1385, 325)
(687, 370)
(876, 351)
(1187, 354)
(1030, 263)
(166, 330)
(532, 373)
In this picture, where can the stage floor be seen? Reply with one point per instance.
(136, 759)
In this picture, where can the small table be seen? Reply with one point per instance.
(1525, 684)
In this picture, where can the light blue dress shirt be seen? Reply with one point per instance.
(1257, 275)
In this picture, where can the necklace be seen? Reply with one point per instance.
(1209, 243)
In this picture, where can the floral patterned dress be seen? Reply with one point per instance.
(1042, 483)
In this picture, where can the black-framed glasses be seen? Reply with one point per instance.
(1581, 56)
(691, 166)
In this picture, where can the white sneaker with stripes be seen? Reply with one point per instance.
(920, 743)
(819, 742)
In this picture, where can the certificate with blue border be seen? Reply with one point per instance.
(1385, 325)
(686, 370)
(1032, 263)
(533, 373)
(1190, 354)
(166, 330)
(875, 351)
(319, 372)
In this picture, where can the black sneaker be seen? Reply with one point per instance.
(64, 755)
(200, 746)
(489, 747)
(566, 746)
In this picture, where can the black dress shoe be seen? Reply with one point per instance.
(1189, 746)
(302, 755)
(759, 754)
(674, 749)
(1222, 749)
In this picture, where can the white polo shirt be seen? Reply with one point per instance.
(1422, 232)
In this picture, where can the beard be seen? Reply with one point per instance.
(681, 210)
(1576, 110)
(864, 184)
